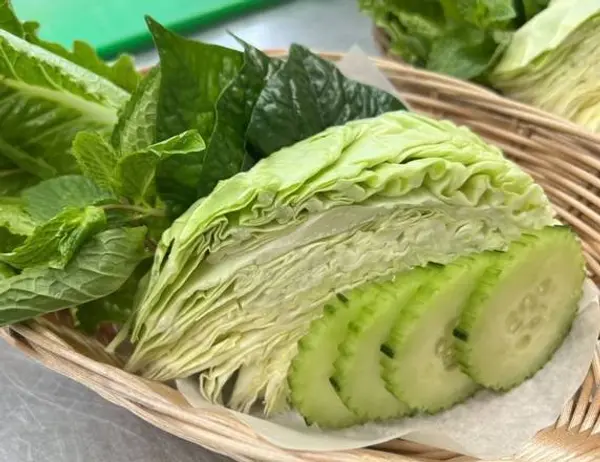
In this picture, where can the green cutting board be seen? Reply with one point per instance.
(116, 26)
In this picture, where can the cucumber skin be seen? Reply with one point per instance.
(493, 275)
(341, 416)
(367, 319)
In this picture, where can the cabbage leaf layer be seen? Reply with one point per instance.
(552, 62)
(239, 277)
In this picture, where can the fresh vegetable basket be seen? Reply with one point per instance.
(560, 156)
(541, 52)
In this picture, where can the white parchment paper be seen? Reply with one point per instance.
(487, 426)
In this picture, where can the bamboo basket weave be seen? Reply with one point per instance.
(563, 158)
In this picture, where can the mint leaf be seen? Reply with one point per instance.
(50, 197)
(14, 218)
(193, 75)
(55, 242)
(100, 268)
(307, 95)
(136, 128)
(122, 72)
(15, 223)
(117, 307)
(136, 172)
(96, 158)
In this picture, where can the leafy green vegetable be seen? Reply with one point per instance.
(250, 264)
(461, 38)
(15, 223)
(193, 76)
(532, 7)
(213, 89)
(117, 307)
(9, 241)
(135, 172)
(54, 243)
(90, 146)
(101, 266)
(96, 158)
(8, 21)
(48, 94)
(466, 52)
(551, 62)
(136, 128)
(122, 72)
(226, 153)
(14, 218)
(13, 180)
(48, 198)
(307, 95)
(25, 162)
(6, 271)
(44, 101)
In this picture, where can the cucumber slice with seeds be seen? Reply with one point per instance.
(522, 310)
(419, 366)
(311, 391)
(358, 368)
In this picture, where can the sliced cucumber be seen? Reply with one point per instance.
(358, 368)
(419, 366)
(522, 310)
(312, 393)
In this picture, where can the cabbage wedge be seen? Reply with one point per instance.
(552, 62)
(240, 276)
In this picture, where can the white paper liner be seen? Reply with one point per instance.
(487, 426)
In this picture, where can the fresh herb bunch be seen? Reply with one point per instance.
(97, 160)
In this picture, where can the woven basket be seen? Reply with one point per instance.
(564, 159)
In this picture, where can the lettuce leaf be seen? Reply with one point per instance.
(101, 266)
(121, 73)
(44, 101)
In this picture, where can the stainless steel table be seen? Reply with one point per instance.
(47, 418)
